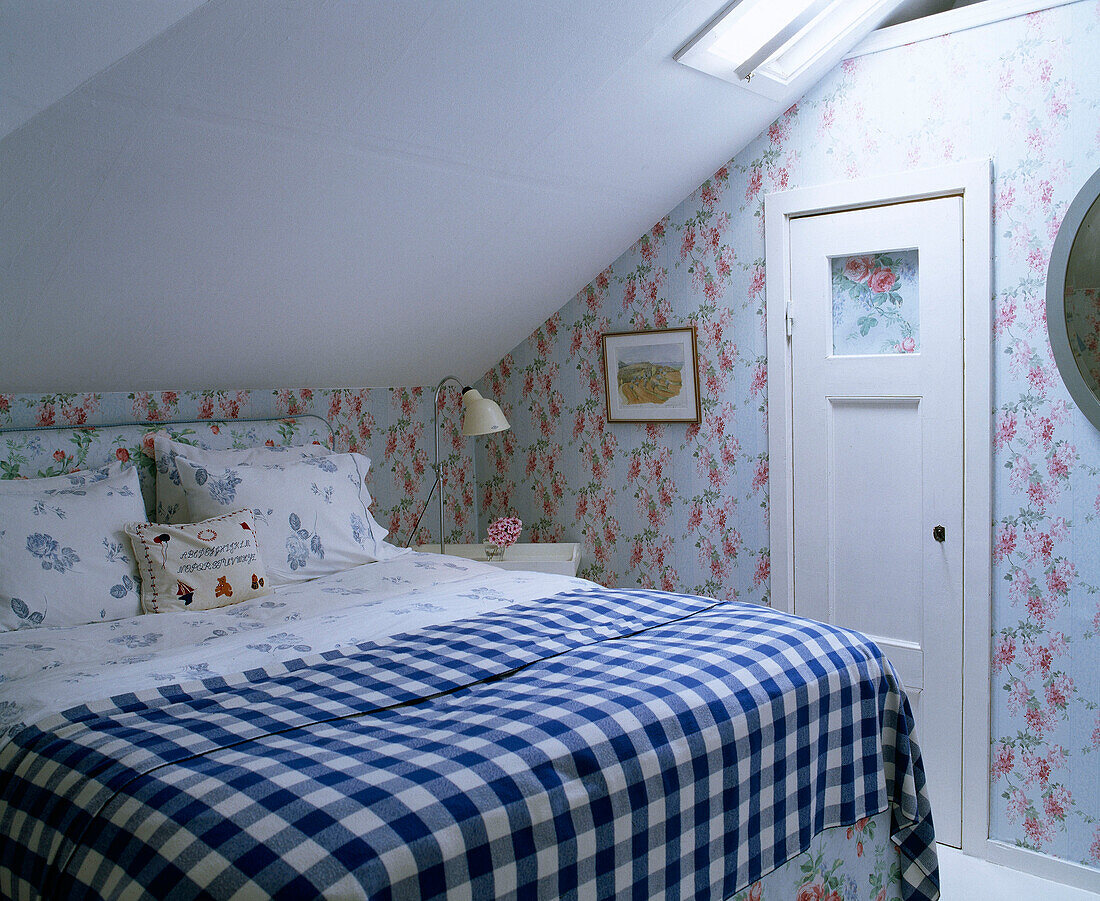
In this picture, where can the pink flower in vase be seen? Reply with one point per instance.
(505, 531)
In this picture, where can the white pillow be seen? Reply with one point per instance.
(171, 502)
(198, 566)
(65, 559)
(311, 515)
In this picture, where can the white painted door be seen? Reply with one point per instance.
(876, 323)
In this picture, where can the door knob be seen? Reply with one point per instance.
(939, 533)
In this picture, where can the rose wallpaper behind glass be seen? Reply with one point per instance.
(876, 303)
(686, 507)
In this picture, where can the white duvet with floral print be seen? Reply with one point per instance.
(44, 671)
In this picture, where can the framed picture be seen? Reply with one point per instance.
(651, 376)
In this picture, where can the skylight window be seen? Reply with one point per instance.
(756, 25)
(766, 44)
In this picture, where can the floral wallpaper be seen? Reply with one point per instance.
(686, 507)
(393, 426)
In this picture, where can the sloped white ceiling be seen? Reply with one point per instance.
(334, 193)
(48, 49)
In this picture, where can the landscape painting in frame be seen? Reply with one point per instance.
(651, 376)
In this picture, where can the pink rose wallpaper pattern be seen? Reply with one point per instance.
(392, 426)
(686, 508)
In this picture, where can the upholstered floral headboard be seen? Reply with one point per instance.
(39, 452)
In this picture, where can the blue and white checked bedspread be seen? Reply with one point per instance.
(600, 743)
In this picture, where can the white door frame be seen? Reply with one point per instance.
(972, 182)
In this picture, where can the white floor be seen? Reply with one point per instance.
(964, 878)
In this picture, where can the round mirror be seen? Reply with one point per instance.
(1073, 299)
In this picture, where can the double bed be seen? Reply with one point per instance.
(426, 726)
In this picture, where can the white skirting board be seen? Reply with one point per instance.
(966, 878)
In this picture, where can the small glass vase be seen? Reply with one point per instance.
(494, 552)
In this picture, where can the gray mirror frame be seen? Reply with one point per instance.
(1087, 402)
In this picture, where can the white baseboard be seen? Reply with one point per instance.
(966, 878)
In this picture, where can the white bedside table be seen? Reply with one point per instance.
(562, 558)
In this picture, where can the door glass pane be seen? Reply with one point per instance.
(875, 303)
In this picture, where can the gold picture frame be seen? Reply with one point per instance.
(651, 376)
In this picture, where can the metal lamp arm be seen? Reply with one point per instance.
(423, 510)
(438, 469)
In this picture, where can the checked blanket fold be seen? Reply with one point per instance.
(599, 743)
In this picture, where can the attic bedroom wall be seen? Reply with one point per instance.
(686, 508)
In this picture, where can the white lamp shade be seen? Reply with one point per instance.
(480, 415)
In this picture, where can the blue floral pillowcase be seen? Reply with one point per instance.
(171, 500)
(65, 558)
(312, 516)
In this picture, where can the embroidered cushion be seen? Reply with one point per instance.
(64, 556)
(198, 566)
(171, 502)
(311, 514)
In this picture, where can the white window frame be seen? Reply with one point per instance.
(753, 74)
(953, 20)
